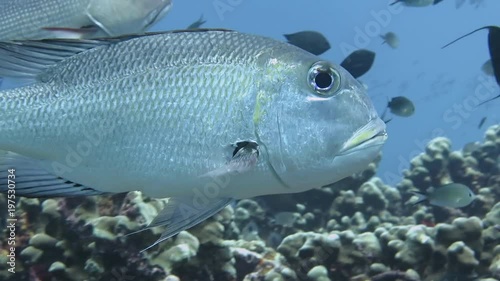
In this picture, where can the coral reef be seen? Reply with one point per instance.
(357, 229)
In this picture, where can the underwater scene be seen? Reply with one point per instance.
(234, 140)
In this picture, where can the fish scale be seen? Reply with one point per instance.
(202, 117)
(96, 93)
(48, 13)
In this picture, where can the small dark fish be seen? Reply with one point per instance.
(400, 106)
(481, 123)
(358, 62)
(493, 46)
(311, 41)
(197, 24)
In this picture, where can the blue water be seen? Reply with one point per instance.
(441, 82)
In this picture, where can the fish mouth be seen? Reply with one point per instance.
(370, 135)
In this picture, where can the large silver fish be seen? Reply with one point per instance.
(203, 117)
(39, 19)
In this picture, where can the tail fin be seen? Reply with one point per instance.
(421, 197)
(394, 2)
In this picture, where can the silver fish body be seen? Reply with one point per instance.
(453, 195)
(32, 19)
(165, 113)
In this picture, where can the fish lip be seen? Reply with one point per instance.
(372, 134)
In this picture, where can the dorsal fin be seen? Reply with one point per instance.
(28, 59)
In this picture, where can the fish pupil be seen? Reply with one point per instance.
(323, 80)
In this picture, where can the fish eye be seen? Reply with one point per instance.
(324, 79)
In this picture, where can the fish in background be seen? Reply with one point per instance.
(97, 114)
(475, 3)
(481, 123)
(250, 231)
(459, 3)
(493, 48)
(391, 39)
(358, 62)
(197, 24)
(487, 68)
(416, 3)
(41, 19)
(399, 106)
(453, 195)
(311, 41)
(470, 147)
(286, 219)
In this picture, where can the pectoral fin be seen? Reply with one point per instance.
(71, 33)
(183, 213)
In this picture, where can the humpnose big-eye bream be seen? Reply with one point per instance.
(164, 114)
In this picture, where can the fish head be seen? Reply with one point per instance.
(466, 196)
(318, 125)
